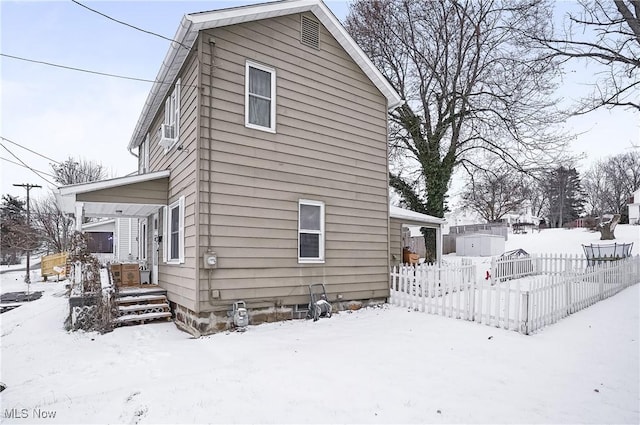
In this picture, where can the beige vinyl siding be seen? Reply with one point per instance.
(150, 192)
(329, 146)
(179, 279)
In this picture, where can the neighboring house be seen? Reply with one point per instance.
(634, 208)
(113, 240)
(263, 167)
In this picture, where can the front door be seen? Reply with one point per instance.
(155, 251)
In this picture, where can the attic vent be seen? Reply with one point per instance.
(310, 32)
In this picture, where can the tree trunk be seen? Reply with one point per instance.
(607, 228)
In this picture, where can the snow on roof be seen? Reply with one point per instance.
(401, 213)
(193, 23)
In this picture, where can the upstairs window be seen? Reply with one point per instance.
(310, 231)
(170, 128)
(260, 97)
(143, 156)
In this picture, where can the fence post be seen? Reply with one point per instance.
(567, 285)
(493, 271)
(474, 284)
(524, 320)
(604, 276)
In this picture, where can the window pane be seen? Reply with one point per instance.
(259, 82)
(309, 217)
(100, 242)
(309, 245)
(175, 232)
(259, 111)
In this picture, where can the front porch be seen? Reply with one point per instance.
(139, 196)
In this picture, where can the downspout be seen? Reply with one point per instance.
(212, 44)
(131, 152)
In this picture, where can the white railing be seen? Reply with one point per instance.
(524, 305)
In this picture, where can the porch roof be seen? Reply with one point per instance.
(132, 196)
(414, 217)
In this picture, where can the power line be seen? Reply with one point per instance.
(30, 150)
(23, 163)
(129, 25)
(105, 74)
(23, 166)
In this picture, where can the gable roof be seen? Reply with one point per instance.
(191, 24)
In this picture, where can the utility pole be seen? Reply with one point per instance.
(27, 278)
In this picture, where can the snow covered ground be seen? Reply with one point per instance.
(378, 365)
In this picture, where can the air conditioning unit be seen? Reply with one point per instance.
(167, 136)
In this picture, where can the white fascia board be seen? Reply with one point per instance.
(93, 224)
(106, 184)
(402, 214)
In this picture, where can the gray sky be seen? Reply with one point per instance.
(60, 113)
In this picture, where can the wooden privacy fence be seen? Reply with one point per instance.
(524, 305)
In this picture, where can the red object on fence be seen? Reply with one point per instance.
(488, 276)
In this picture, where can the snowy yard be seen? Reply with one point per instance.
(378, 365)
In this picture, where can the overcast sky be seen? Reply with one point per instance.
(60, 113)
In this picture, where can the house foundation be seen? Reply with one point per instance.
(207, 323)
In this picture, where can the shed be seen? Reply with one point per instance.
(479, 245)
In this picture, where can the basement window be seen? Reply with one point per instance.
(309, 32)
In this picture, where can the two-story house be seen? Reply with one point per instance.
(263, 167)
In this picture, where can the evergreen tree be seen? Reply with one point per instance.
(565, 194)
(13, 229)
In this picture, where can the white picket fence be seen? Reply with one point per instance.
(524, 305)
(433, 289)
(534, 264)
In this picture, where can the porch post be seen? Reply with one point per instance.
(79, 215)
(439, 244)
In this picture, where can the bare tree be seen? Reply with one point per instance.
(473, 88)
(73, 171)
(595, 188)
(493, 194)
(55, 228)
(611, 181)
(606, 33)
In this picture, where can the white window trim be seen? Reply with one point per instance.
(142, 239)
(167, 235)
(174, 118)
(272, 71)
(321, 232)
